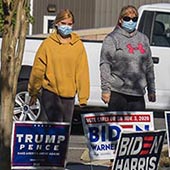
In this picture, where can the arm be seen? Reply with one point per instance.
(150, 76)
(37, 73)
(82, 79)
(108, 48)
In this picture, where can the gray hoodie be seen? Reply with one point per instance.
(126, 64)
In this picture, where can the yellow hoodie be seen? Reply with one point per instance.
(61, 68)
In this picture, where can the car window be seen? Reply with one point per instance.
(161, 30)
(145, 23)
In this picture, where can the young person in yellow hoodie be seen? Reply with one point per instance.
(60, 69)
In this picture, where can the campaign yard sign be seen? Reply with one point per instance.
(167, 122)
(39, 145)
(139, 150)
(102, 130)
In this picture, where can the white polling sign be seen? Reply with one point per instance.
(102, 130)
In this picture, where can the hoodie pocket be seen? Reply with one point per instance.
(116, 81)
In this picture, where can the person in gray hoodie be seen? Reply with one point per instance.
(126, 65)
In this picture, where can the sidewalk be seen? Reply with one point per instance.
(78, 159)
(81, 166)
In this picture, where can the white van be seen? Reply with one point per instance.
(154, 21)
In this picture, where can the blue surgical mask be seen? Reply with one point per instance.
(64, 29)
(129, 26)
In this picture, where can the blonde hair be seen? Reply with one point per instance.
(129, 9)
(64, 14)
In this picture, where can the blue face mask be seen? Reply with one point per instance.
(129, 26)
(64, 29)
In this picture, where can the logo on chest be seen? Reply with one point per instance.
(140, 48)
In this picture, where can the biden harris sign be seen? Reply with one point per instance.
(39, 145)
(139, 150)
(103, 129)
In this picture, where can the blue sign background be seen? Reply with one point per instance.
(26, 152)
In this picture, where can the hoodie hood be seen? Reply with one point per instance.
(74, 37)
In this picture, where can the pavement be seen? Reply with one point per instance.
(79, 166)
(78, 156)
(85, 163)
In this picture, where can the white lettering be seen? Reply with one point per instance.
(123, 146)
(144, 163)
(47, 147)
(126, 165)
(28, 138)
(56, 148)
(119, 164)
(19, 136)
(30, 147)
(21, 147)
(40, 138)
(141, 164)
(134, 164)
(156, 144)
(152, 163)
(39, 147)
(60, 138)
(50, 139)
(130, 145)
(137, 144)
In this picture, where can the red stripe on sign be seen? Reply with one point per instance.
(148, 138)
(147, 145)
(144, 152)
(127, 126)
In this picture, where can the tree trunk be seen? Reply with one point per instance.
(13, 43)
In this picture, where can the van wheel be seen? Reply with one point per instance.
(22, 110)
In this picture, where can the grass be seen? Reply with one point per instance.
(164, 159)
